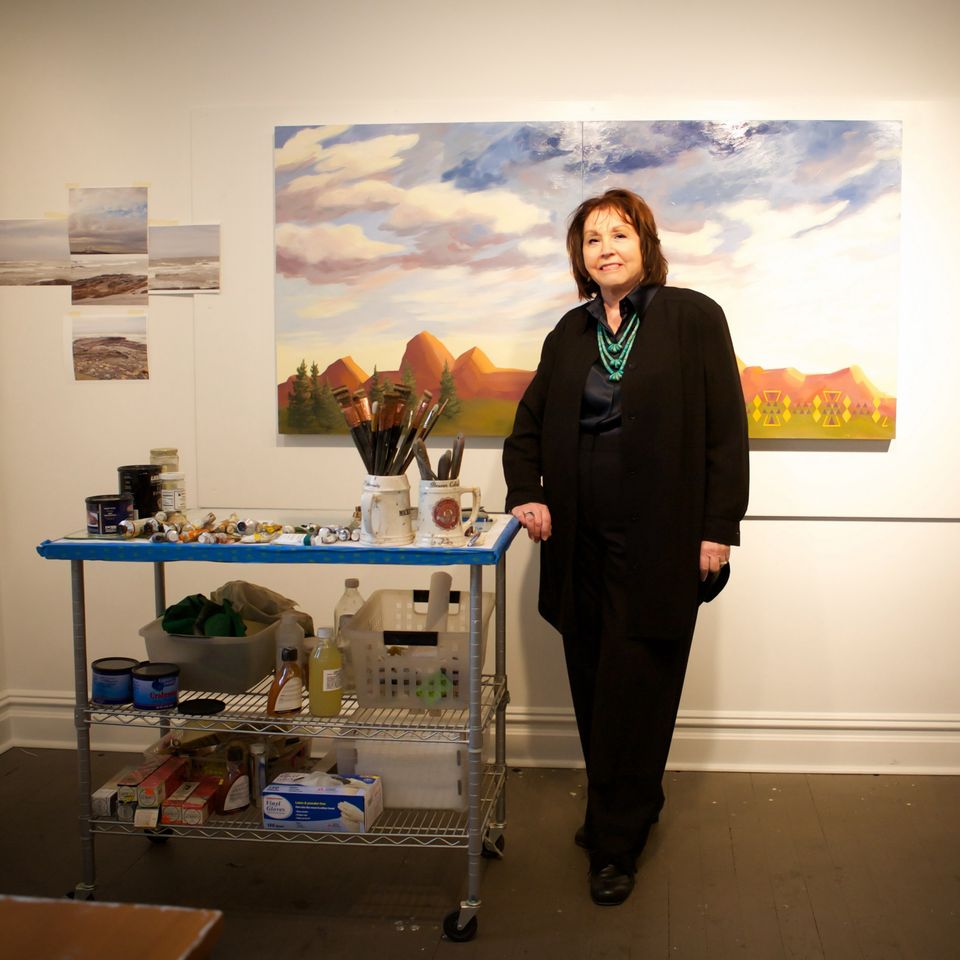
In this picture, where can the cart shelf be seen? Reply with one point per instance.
(246, 713)
(393, 828)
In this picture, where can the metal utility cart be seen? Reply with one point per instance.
(479, 830)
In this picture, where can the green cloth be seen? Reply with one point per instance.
(197, 615)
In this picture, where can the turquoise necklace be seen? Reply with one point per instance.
(613, 351)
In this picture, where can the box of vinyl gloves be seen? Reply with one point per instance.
(322, 802)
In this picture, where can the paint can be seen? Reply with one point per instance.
(106, 510)
(142, 482)
(155, 685)
(112, 680)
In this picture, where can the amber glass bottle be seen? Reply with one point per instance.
(286, 693)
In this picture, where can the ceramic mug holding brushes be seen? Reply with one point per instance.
(385, 511)
(440, 515)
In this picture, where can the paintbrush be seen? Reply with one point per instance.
(342, 396)
(458, 445)
(422, 432)
(423, 460)
(405, 453)
(362, 406)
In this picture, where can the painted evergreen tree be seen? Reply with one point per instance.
(326, 415)
(375, 391)
(410, 381)
(448, 392)
(298, 407)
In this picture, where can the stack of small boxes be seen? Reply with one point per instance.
(172, 790)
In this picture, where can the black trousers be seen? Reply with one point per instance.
(626, 688)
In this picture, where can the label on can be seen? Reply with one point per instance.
(155, 693)
(111, 687)
(106, 512)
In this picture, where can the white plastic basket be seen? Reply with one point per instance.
(398, 663)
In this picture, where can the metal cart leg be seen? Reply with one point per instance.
(84, 889)
(462, 924)
(500, 669)
(159, 588)
(160, 605)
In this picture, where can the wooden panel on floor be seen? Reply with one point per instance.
(798, 926)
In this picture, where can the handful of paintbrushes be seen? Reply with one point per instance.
(385, 432)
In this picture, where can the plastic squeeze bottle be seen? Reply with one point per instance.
(326, 679)
(287, 689)
(346, 607)
(289, 634)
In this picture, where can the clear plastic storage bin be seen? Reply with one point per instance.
(398, 663)
(214, 664)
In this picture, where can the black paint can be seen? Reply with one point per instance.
(142, 482)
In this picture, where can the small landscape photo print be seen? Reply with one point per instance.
(33, 253)
(109, 346)
(107, 228)
(185, 259)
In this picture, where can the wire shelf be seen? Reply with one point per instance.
(246, 713)
(394, 828)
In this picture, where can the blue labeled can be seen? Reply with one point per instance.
(106, 511)
(155, 685)
(112, 680)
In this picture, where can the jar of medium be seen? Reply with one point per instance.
(173, 493)
(166, 458)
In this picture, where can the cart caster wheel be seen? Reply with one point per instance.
(493, 849)
(452, 932)
(158, 836)
(72, 895)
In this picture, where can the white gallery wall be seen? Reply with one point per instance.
(835, 646)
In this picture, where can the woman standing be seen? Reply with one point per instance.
(628, 463)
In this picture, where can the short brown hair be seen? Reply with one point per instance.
(640, 216)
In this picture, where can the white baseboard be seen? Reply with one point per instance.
(541, 737)
(774, 743)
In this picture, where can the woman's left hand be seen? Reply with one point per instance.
(713, 556)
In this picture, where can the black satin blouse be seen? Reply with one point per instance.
(600, 406)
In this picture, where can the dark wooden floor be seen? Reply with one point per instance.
(762, 866)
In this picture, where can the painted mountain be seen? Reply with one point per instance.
(780, 404)
(481, 397)
(843, 405)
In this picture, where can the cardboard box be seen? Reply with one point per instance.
(321, 802)
(104, 800)
(162, 782)
(198, 807)
(127, 811)
(171, 810)
(129, 784)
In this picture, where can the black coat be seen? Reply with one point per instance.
(686, 454)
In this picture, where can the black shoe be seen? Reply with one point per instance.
(610, 886)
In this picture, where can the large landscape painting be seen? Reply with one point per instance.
(432, 256)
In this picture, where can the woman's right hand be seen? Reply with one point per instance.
(535, 518)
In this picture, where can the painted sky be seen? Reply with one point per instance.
(386, 230)
(189, 240)
(108, 220)
(34, 240)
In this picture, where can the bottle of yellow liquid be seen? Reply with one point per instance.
(326, 678)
